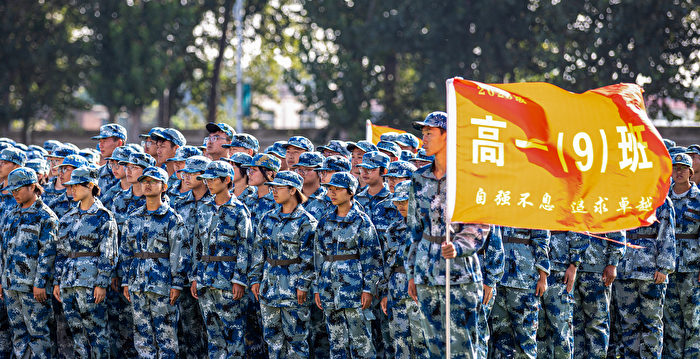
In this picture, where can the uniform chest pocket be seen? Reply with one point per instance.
(29, 230)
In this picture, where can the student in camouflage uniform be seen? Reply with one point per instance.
(492, 260)
(110, 138)
(220, 278)
(317, 202)
(120, 154)
(555, 332)
(373, 167)
(407, 142)
(64, 202)
(151, 257)
(175, 164)
(398, 171)
(85, 261)
(514, 315)
(220, 134)
(640, 289)
(261, 169)
(427, 253)
(294, 147)
(357, 151)
(283, 269)
(27, 258)
(128, 201)
(682, 308)
(346, 281)
(334, 148)
(191, 331)
(403, 312)
(243, 143)
(167, 142)
(278, 150)
(592, 292)
(241, 189)
(390, 149)
(330, 166)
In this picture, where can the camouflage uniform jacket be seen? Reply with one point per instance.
(123, 204)
(107, 197)
(62, 204)
(106, 179)
(28, 247)
(50, 192)
(173, 183)
(426, 221)
(258, 207)
(340, 283)
(600, 252)
(250, 191)
(160, 233)
(394, 284)
(286, 237)
(92, 231)
(228, 235)
(318, 203)
(492, 258)
(192, 211)
(659, 247)
(527, 253)
(368, 201)
(687, 210)
(566, 248)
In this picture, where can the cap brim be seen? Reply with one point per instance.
(273, 183)
(369, 167)
(98, 137)
(71, 182)
(399, 199)
(206, 176)
(142, 177)
(176, 159)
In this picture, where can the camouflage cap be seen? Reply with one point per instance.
(13, 155)
(156, 173)
(407, 139)
(196, 164)
(184, 153)
(172, 135)
(287, 178)
(244, 140)
(406, 155)
(121, 154)
(682, 159)
(669, 143)
(389, 136)
(20, 177)
(374, 159)
(335, 164)
(38, 148)
(111, 130)
(676, 150)
(39, 165)
(343, 180)
(152, 132)
(300, 142)
(140, 159)
(217, 169)
(400, 169)
(83, 175)
(90, 155)
(223, 127)
(266, 161)
(277, 149)
(390, 147)
(74, 160)
(364, 146)
(21, 146)
(434, 119)
(61, 151)
(33, 154)
(239, 158)
(421, 156)
(337, 146)
(693, 149)
(309, 159)
(49, 145)
(401, 191)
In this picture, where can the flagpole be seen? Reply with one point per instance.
(368, 131)
(450, 179)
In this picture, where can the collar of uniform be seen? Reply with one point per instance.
(427, 172)
(384, 193)
(296, 213)
(33, 208)
(352, 215)
(319, 193)
(161, 211)
(105, 171)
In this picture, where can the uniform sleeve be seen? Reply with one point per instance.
(494, 258)
(307, 233)
(415, 232)
(47, 252)
(370, 257)
(615, 251)
(541, 240)
(666, 239)
(107, 261)
(245, 231)
(126, 254)
(176, 234)
(61, 255)
(468, 238)
(577, 246)
(258, 256)
(318, 255)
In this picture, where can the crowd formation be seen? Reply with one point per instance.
(167, 250)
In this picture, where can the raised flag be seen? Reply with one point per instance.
(532, 155)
